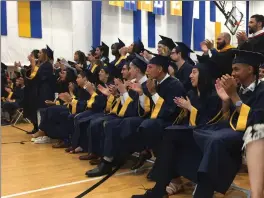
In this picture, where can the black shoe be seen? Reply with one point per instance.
(32, 132)
(150, 175)
(141, 160)
(102, 169)
(149, 194)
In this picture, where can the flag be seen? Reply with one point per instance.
(3, 18)
(145, 6)
(130, 5)
(29, 19)
(176, 8)
(159, 7)
(117, 3)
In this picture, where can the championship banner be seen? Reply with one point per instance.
(159, 7)
(117, 3)
(176, 8)
(130, 5)
(145, 6)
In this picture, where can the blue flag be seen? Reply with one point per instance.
(130, 5)
(158, 7)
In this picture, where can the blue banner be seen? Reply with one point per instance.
(130, 5)
(3, 18)
(159, 7)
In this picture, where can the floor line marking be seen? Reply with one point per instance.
(66, 184)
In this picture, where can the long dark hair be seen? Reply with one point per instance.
(82, 57)
(205, 81)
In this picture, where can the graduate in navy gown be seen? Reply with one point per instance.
(180, 55)
(95, 106)
(40, 84)
(136, 47)
(58, 120)
(217, 157)
(92, 71)
(116, 65)
(14, 99)
(162, 90)
(102, 53)
(165, 46)
(113, 144)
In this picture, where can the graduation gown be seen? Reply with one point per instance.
(116, 67)
(163, 114)
(93, 74)
(17, 96)
(183, 74)
(255, 44)
(95, 105)
(220, 144)
(40, 86)
(105, 125)
(58, 120)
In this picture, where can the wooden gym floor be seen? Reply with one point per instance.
(30, 170)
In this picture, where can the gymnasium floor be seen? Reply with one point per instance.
(29, 170)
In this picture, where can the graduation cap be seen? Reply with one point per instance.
(105, 49)
(71, 75)
(201, 59)
(262, 66)
(167, 42)
(148, 51)
(163, 61)
(3, 66)
(71, 63)
(50, 53)
(254, 59)
(182, 47)
(140, 62)
(106, 69)
(138, 46)
(121, 43)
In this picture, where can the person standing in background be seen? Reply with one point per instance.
(256, 41)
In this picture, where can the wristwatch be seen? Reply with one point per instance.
(239, 103)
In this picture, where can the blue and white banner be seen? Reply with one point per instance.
(130, 5)
(159, 7)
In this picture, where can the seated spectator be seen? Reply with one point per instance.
(14, 99)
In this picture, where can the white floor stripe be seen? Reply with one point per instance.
(63, 185)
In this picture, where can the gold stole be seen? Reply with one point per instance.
(242, 118)
(120, 59)
(226, 48)
(91, 100)
(94, 67)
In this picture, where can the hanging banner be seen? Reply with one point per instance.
(117, 3)
(130, 5)
(159, 7)
(176, 8)
(145, 6)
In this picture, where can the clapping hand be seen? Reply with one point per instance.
(120, 86)
(89, 87)
(241, 37)
(113, 90)
(151, 86)
(183, 103)
(229, 84)
(221, 91)
(204, 47)
(49, 102)
(66, 97)
(209, 44)
(104, 90)
(8, 90)
(136, 87)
